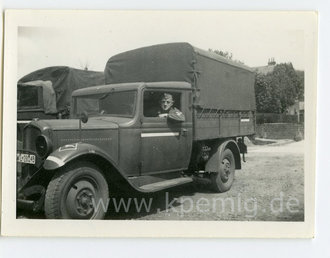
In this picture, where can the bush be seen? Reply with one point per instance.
(278, 89)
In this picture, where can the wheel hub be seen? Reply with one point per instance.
(84, 201)
(225, 170)
(80, 198)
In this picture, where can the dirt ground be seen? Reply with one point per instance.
(270, 187)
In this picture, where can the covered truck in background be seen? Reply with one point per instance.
(46, 93)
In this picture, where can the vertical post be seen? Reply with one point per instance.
(80, 130)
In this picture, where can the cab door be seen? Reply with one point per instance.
(165, 143)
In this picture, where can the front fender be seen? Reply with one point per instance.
(213, 165)
(65, 154)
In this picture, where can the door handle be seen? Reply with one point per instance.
(184, 131)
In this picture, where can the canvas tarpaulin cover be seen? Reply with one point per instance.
(221, 83)
(65, 80)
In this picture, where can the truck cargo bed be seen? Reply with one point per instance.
(213, 123)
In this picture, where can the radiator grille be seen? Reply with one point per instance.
(30, 135)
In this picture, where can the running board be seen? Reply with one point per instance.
(165, 184)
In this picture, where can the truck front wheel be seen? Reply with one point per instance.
(76, 192)
(223, 179)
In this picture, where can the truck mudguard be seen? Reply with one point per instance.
(213, 165)
(69, 152)
(63, 155)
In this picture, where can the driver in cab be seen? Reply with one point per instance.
(167, 109)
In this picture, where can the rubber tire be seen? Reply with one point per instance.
(63, 181)
(217, 183)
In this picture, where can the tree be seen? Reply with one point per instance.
(225, 54)
(301, 78)
(278, 90)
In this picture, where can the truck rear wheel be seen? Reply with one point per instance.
(224, 178)
(76, 192)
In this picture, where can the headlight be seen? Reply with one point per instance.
(43, 145)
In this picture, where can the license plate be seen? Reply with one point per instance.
(26, 158)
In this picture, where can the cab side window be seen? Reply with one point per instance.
(156, 103)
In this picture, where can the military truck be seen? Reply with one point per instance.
(46, 93)
(115, 137)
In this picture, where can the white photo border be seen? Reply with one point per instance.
(10, 226)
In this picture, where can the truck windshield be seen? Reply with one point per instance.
(109, 104)
(27, 97)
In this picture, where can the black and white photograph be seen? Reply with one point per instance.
(158, 120)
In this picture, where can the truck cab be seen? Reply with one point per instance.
(147, 142)
(122, 137)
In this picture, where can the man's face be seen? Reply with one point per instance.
(166, 102)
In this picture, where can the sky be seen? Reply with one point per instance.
(83, 41)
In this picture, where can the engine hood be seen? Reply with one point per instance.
(73, 124)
